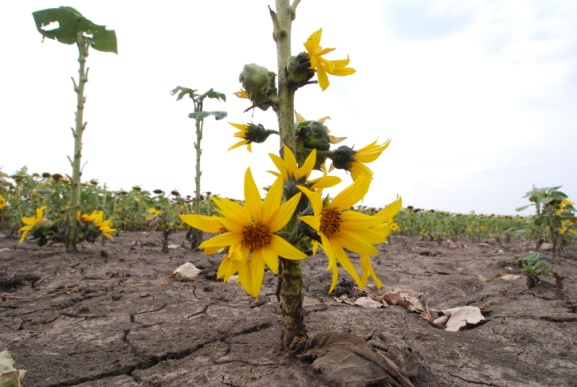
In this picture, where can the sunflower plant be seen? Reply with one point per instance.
(195, 235)
(295, 218)
(554, 218)
(73, 28)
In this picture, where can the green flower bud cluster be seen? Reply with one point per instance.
(299, 69)
(260, 85)
(312, 135)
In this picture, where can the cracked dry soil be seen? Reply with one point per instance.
(110, 316)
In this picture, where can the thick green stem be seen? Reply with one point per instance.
(290, 275)
(199, 126)
(75, 183)
(195, 235)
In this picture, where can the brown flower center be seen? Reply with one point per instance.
(330, 222)
(256, 236)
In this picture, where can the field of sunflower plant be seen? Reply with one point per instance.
(23, 193)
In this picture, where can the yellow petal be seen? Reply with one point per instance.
(244, 276)
(223, 240)
(352, 194)
(368, 271)
(270, 257)
(280, 164)
(313, 221)
(322, 78)
(283, 214)
(314, 198)
(298, 117)
(325, 182)
(313, 41)
(285, 249)
(242, 127)
(345, 262)
(256, 265)
(205, 223)
(308, 165)
(234, 213)
(290, 162)
(356, 245)
(239, 144)
(253, 200)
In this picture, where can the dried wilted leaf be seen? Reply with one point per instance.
(459, 317)
(369, 303)
(441, 321)
(406, 298)
(510, 277)
(342, 359)
(344, 299)
(371, 290)
(185, 272)
(9, 376)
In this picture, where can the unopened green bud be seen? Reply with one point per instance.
(259, 84)
(299, 69)
(257, 133)
(313, 134)
(342, 157)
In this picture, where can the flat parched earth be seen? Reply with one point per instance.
(111, 316)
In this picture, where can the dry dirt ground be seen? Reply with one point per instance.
(110, 316)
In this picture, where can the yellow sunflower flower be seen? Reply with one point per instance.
(354, 161)
(324, 66)
(290, 171)
(154, 211)
(96, 217)
(341, 228)
(2, 202)
(250, 133)
(249, 233)
(105, 227)
(32, 222)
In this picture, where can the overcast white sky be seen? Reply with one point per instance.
(478, 97)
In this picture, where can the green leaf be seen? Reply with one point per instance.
(183, 91)
(105, 40)
(212, 94)
(218, 115)
(72, 26)
(524, 207)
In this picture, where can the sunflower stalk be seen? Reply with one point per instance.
(290, 274)
(195, 235)
(83, 45)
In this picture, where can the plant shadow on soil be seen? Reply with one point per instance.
(110, 315)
